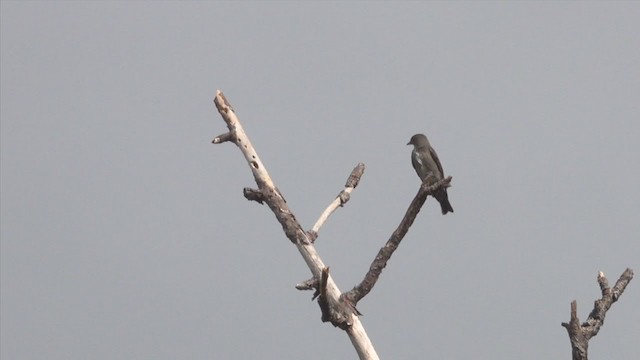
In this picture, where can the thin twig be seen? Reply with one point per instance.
(340, 200)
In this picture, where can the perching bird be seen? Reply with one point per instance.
(425, 160)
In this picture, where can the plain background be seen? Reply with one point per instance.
(125, 234)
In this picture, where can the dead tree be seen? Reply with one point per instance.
(336, 307)
(340, 308)
(579, 334)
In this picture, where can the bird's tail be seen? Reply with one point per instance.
(443, 199)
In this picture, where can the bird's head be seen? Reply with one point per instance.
(418, 140)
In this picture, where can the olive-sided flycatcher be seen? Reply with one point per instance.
(425, 160)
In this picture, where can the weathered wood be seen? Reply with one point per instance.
(579, 334)
(334, 309)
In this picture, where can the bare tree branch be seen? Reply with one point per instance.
(339, 201)
(579, 334)
(380, 261)
(339, 312)
(223, 138)
(309, 284)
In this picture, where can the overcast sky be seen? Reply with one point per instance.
(125, 235)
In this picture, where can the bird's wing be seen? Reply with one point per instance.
(437, 160)
(417, 162)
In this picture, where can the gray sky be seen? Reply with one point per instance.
(125, 234)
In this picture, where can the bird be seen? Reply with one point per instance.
(427, 165)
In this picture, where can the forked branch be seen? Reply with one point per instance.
(334, 308)
(579, 334)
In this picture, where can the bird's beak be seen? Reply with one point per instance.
(409, 143)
